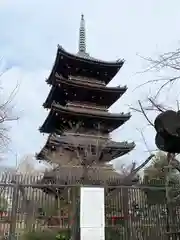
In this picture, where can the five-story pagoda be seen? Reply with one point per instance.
(79, 122)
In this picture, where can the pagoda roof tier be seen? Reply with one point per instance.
(74, 175)
(109, 149)
(69, 90)
(82, 64)
(60, 117)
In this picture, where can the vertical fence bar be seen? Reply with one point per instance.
(12, 228)
(125, 207)
(75, 227)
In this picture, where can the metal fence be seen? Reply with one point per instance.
(132, 214)
(26, 210)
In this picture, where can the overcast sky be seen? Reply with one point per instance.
(31, 30)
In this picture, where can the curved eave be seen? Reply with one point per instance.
(111, 93)
(116, 65)
(57, 140)
(123, 146)
(73, 175)
(90, 113)
(71, 82)
(40, 155)
(49, 99)
(122, 150)
(118, 148)
(116, 152)
(47, 127)
(89, 59)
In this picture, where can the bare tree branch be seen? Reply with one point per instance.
(168, 60)
(5, 117)
(142, 111)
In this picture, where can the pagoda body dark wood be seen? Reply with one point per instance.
(79, 122)
(78, 126)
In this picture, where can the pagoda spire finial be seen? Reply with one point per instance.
(82, 36)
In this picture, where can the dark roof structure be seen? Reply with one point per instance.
(59, 117)
(68, 90)
(79, 96)
(82, 63)
(109, 149)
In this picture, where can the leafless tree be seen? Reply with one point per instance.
(164, 62)
(167, 67)
(168, 62)
(6, 116)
